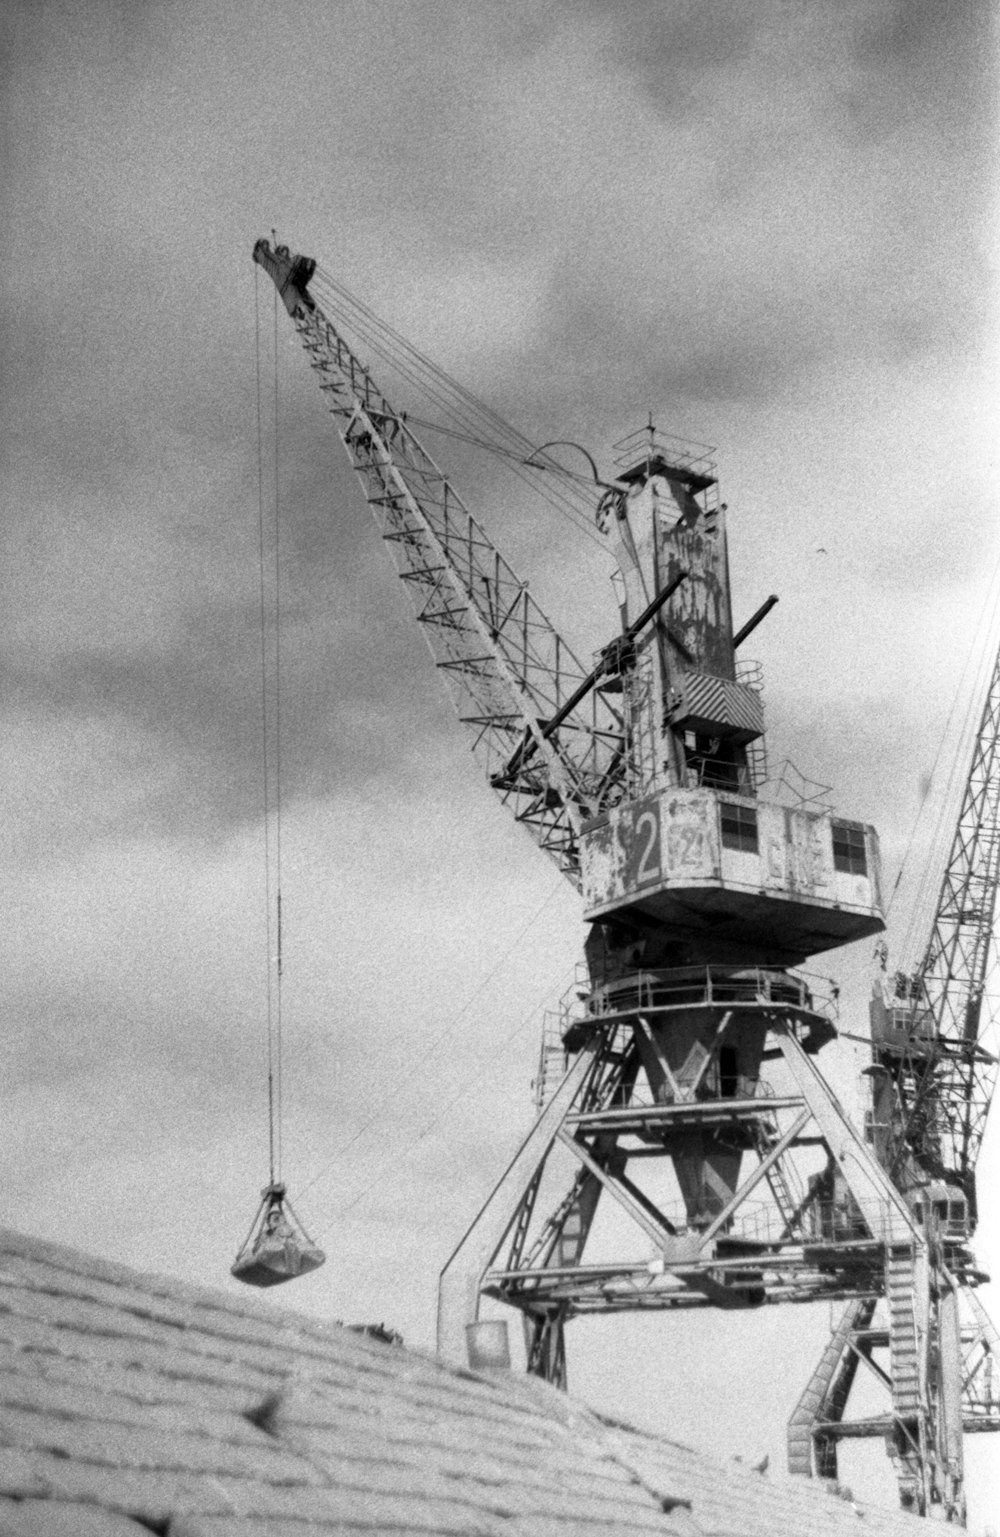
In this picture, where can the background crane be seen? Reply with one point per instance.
(643, 777)
(932, 1078)
(933, 1031)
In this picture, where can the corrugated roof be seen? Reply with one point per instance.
(131, 1403)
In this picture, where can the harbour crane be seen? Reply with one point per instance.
(706, 884)
(932, 1077)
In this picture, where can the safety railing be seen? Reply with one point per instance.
(712, 986)
(677, 988)
(818, 1224)
(553, 1059)
(751, 673)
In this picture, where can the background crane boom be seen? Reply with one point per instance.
(933, 1037)
(932, 1080)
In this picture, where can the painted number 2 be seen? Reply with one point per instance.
(647, 844)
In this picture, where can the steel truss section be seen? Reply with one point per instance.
(552, 745)
(922, 1424)
(771, 1237)
(944, 1074)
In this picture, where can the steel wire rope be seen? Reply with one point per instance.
(279, 1116)
(461, 1093)
(468, 403)
(421, 360)
(580, 515)
(586, 524)
(395, 1091)
(467, 411)
(157, 1111)
(580, 512)
(271, 745)
(265, 744)
(980, 657)
(496, 448)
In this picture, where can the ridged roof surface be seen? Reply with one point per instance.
(131, 1403)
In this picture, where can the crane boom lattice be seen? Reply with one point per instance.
(551, 743)
(956, 966)
(932, 1036)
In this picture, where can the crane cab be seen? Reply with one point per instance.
(942, 1210)
(734, 874)
(901, 1026)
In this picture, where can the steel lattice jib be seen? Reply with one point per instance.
(728, 871)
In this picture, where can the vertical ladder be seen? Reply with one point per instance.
(900, 1281)
(789, 1208)
(908, 1391)
(552, 1059)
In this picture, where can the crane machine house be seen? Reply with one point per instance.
(719, 870)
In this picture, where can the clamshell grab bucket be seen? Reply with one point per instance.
(277, 1248)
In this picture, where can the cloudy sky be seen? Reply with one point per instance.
(772, 226)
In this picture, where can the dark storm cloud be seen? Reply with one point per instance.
(669, 51)
(812, 197)
(359, 704)
(132, 582)
(699, 203)
(873, 64)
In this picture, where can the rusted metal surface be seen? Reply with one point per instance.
(671, 846)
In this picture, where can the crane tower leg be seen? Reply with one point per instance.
(459, 1286)
(645, 1102)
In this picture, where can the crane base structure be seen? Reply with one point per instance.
(828, 1241)
(743, 1237)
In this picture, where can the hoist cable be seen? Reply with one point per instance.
(466, 400)
(399, 345)
(278, 1099)
(475, 420)
(516, 459)
(467, 411)
(496, 448)
(265, 743)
